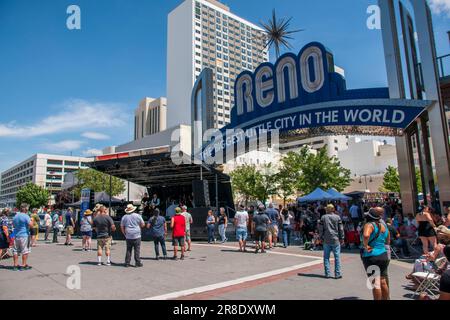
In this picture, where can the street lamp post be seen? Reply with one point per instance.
(365, 180)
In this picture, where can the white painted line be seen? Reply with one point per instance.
(268, 251)
(220, 285)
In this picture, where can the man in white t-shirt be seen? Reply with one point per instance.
(241, 223)
(47, 223)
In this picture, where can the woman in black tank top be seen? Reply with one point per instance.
(426, 229)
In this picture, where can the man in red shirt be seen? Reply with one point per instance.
(178, 225)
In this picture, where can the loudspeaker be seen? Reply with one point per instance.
(201, 193)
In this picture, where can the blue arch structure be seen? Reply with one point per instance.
(328, 105)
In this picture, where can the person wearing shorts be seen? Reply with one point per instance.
(178, 225)
(260, 223)
(70, 224)
(103, 225)
(86, 230)
(22, 224)
(189, 221)
(178, 241)
(375, 237)
(241, 223)
(272, 231)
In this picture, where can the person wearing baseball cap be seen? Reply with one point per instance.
(178, 225)
(375, 237)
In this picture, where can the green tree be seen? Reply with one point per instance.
(249, 183)
(243, 181)
(289, 174)
(35, 196)
(391, 180)
(266, 183)
(418, 180)
(97, 181)
(311, 171)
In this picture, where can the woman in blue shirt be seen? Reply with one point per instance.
(374, 255)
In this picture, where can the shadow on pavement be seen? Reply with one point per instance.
(94, 263)
(236, 251)
(311, 275)
(348, 298)
(6, 267)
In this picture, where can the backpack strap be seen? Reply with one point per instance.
(376, 235)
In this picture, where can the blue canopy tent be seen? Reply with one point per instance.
(316, 195)
(337, 195)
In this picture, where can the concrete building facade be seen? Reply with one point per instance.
(44, 170)
(333, 143)
(150, 117)
(204, 33)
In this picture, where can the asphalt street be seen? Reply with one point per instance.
(210, 271)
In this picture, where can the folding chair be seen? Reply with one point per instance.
(429, 281)
(8, 253)
(411, 245)
(393, 253)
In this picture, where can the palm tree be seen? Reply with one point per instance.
(278, 33)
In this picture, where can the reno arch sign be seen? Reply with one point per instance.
(303, 91)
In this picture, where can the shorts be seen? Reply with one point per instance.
(381, 261)
(260, 235)
(4, 244)
(21, 245)
(86, 234)
(241, 234)
(178, 241)
(34, 231)
(104, 243)
(273, 230)
(187, 237)
(69, 231)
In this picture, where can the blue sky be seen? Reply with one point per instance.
(64, 91)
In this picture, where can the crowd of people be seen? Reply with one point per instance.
(377, 229)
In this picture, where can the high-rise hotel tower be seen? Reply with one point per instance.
(204, 33)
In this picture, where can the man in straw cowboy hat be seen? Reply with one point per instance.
(131, 225)
(86, 230)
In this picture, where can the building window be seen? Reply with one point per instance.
(71, 163)
(54, 162)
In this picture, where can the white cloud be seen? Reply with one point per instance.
(92, 152)
(95, 135)
(76, 115)
(63, 146)
(440, 6)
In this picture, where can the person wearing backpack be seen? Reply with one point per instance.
(374, 255)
